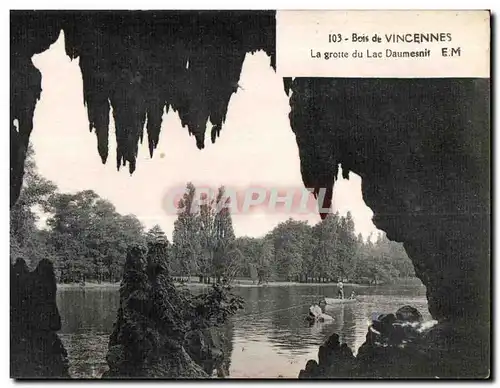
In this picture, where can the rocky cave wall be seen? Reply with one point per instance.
(421, 146)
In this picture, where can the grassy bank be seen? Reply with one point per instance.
(88, 285)
(241, 282)
(238, 283)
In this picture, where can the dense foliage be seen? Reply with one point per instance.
(83, 234)
(204, 246)
(87, 239)
(203, 238)
(327, 251)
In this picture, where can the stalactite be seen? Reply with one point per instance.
(317, 150)
(139, 63)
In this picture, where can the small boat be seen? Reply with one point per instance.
(331, 301)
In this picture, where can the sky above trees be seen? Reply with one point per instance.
(256, 147)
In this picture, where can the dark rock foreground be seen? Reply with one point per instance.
(158, 333)
(397, 346)
(36, 349)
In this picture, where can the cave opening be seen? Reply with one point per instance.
(425, 169)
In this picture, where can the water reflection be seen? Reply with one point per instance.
(92, 310)
(227, 348)
(269, 338)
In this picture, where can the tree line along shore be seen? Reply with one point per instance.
(87, 240)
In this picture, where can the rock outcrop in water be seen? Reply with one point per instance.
(147, 337)
(36, 349)
(159, 332)
(396, 346)
(210, 348)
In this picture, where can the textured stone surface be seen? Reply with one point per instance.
(393, 348)
(159, 331)
(147, 339)
(210, 348)
(36, 349)
(408, 314)
(421, 147)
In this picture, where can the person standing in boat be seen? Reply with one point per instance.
(340, 292)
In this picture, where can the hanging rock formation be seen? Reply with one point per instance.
(421, 147)
(36, 349)
(140, 63)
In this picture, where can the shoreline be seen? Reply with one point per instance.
(237, 284)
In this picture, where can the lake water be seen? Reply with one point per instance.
(269, 337)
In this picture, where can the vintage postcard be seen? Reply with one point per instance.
(250, 194)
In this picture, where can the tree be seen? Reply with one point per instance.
(325, 253)
(253, 274)
(220, 257)
(382, 261)
(264, 258)
(346, 247)
(288, 240)
(88, 238)
(207, 242)
(248, 248)
(226, 257)
(156, 233)
(257, 256)
(186, 236)
(26, 241)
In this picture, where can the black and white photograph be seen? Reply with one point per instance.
(250, 194)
